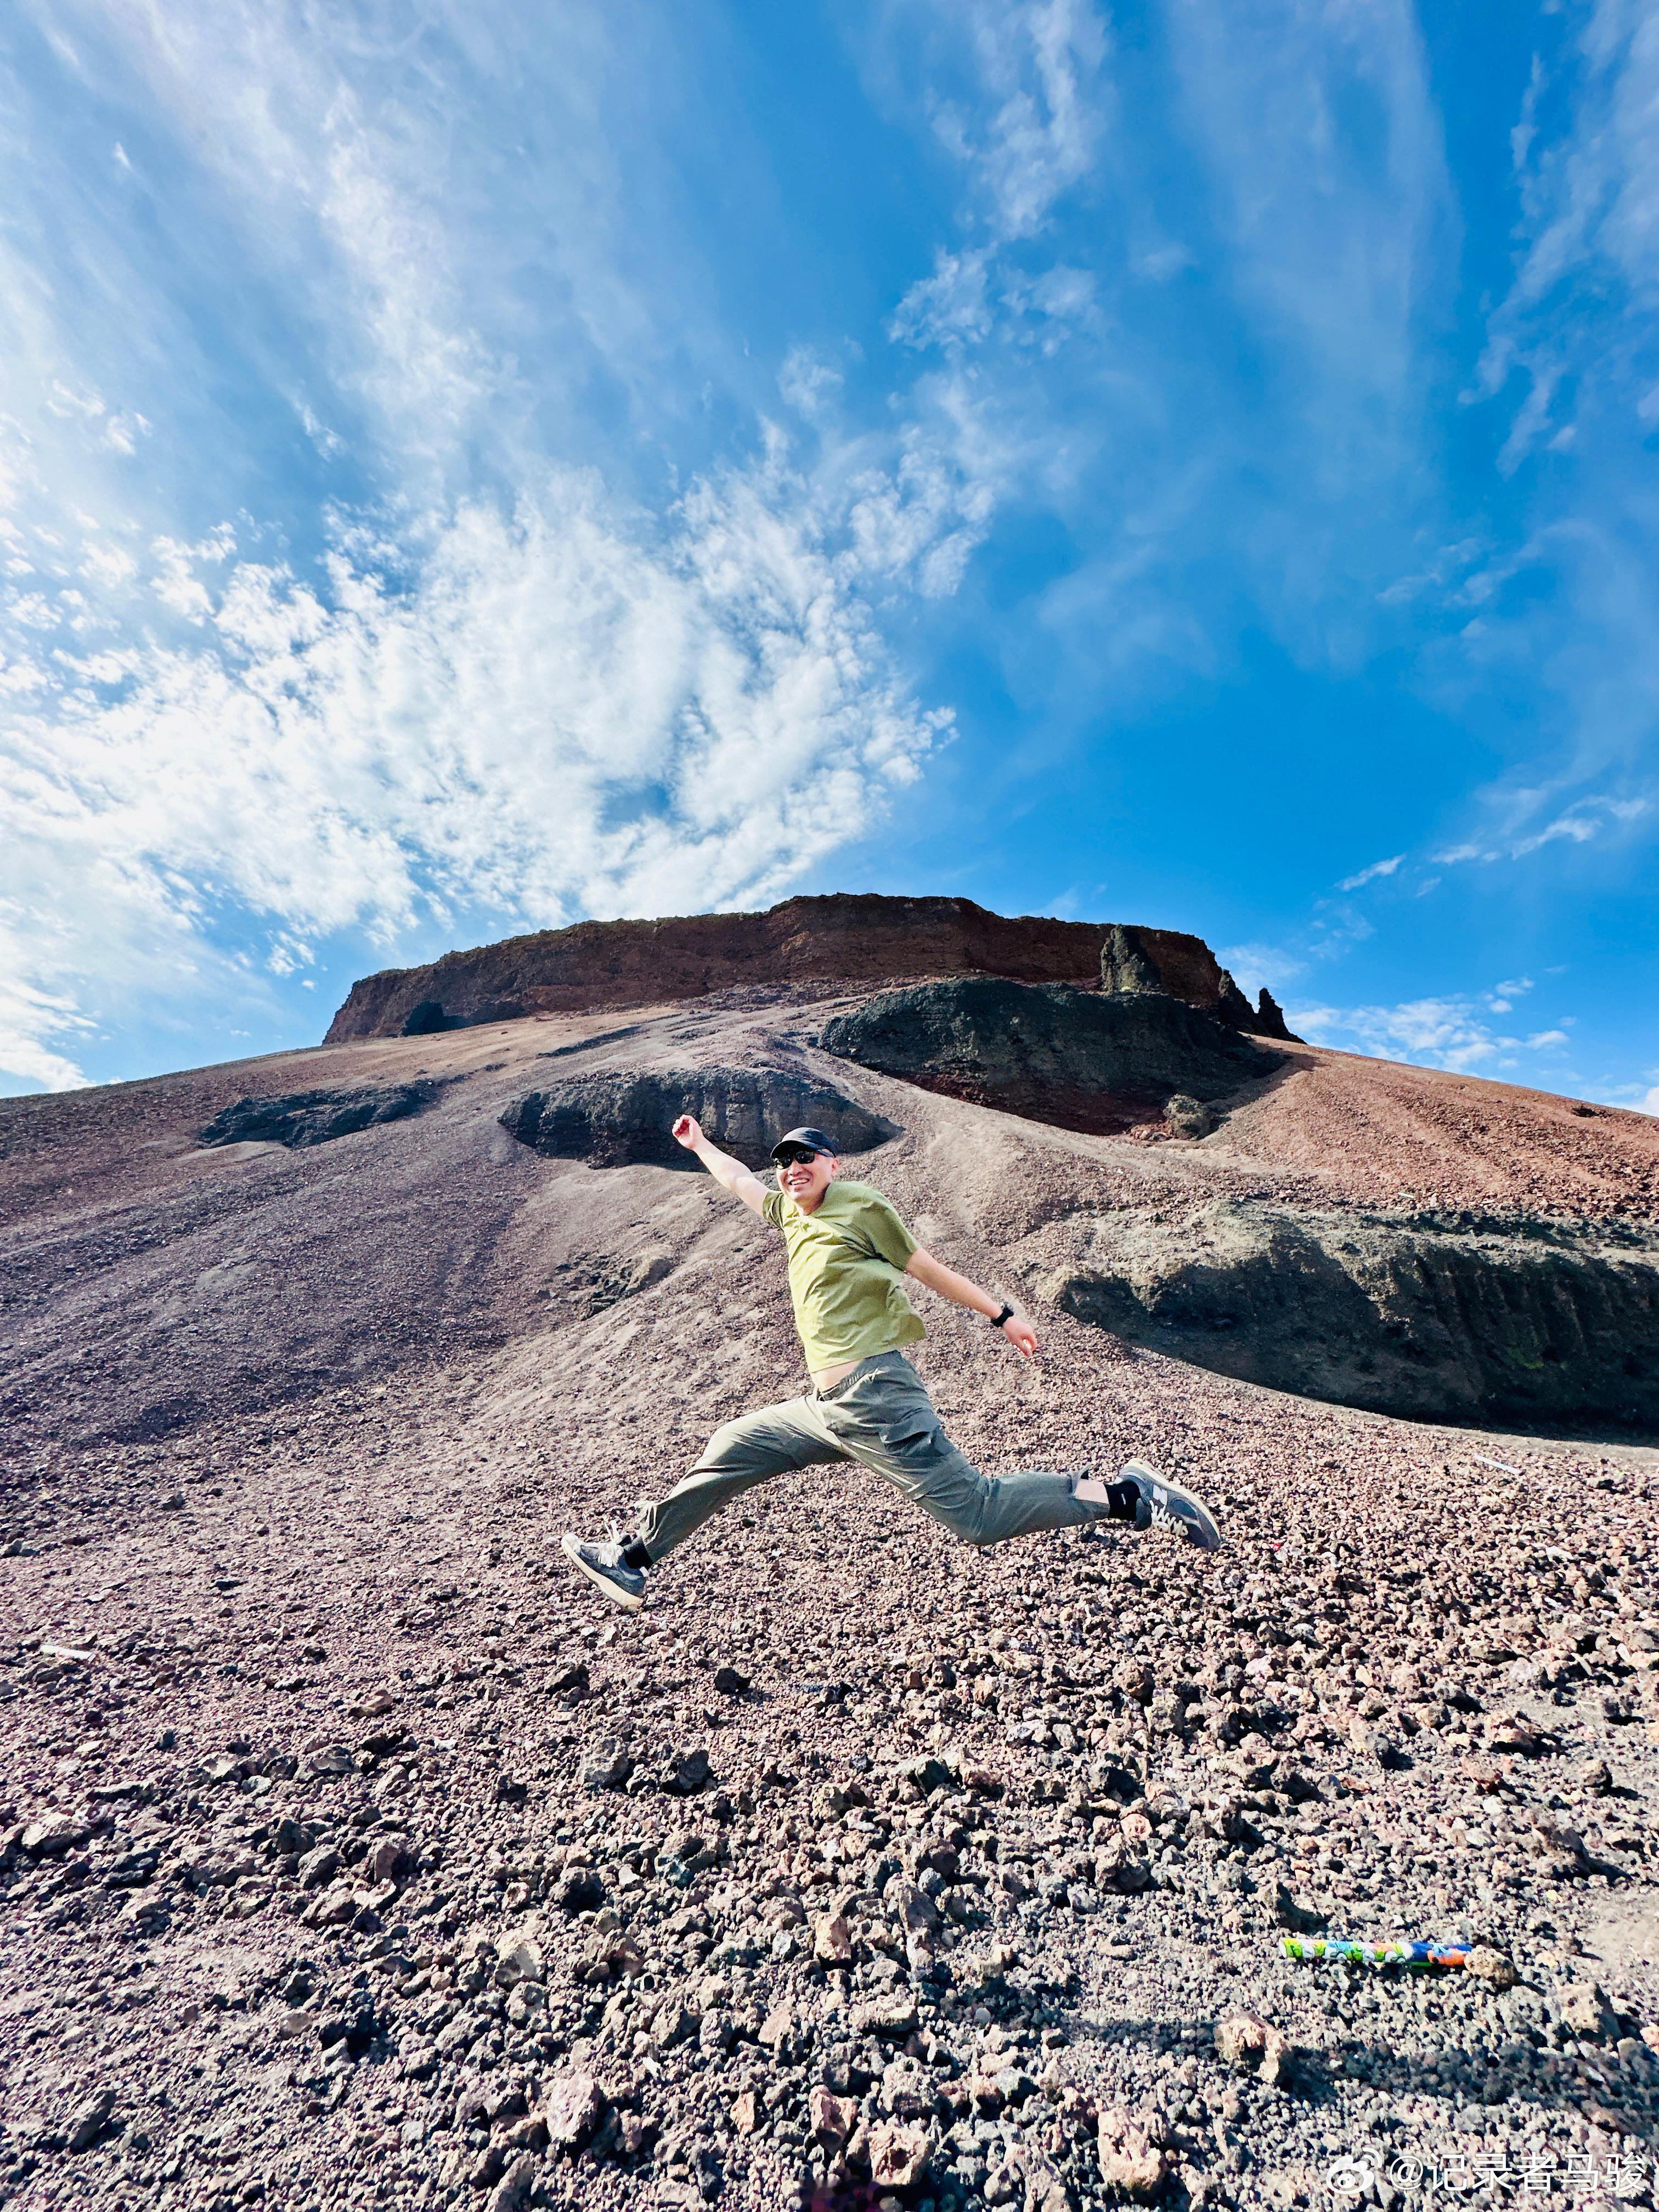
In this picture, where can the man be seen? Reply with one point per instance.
(848, 1254)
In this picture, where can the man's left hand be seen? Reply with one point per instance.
(1021, 1334)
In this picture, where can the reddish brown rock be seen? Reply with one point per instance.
(844, 939)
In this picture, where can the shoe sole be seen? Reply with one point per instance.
(571, 1548)
(1173, 1507)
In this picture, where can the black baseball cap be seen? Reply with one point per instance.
(804, 1140)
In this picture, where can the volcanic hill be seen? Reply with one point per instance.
(353, 1852)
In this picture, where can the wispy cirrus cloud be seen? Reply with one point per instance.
(1042, 99)
(449, 670)
(1452, 1032)
(1377, 871)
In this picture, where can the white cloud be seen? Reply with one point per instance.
(810, 383)
(1584, 820)
(1451, 1032)
(951, 308)
(32, 1022)
(562, 711)
(1377, 868)
(1040, 69)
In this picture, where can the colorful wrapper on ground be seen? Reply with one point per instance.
(1388, 1953)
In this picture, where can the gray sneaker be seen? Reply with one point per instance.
(1165, 1505)
(605, 1567)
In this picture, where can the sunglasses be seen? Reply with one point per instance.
(794, 1156)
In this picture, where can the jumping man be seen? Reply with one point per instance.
(848, 1253)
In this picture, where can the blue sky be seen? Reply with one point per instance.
(462, 469)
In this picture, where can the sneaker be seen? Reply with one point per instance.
(1165, 1505)
(604, 1564)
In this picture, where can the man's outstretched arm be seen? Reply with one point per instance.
(957, 1288)
(740, 1181)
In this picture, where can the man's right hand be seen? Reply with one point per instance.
(689, 1132)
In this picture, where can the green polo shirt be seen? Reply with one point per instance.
(847, 1262)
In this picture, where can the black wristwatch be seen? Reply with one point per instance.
(1008, 1314)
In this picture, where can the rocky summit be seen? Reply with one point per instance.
(353, 1853)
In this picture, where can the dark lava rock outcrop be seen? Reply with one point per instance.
(315, 1117)
(1182, 967)
(840, 942)
(1509, 1321)
(1078, 1060)
(625, 1120)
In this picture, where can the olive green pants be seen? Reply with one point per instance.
(881, 1416)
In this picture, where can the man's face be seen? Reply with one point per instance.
(807, 1180)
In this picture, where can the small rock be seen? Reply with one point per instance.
(1045, 2190)
(1129, 2159)
(1187, 1117)
(926, 1776)
(915, 1909)
(579, 1889)
(1243, 2040)
(316, 1867)
(832, 1941)
(777, 2029)
(832, 2118)
(674, 2021)
(746, 2112)
(355, 2029)
(332, 1909)
(572, 2108)
(1585, 2009)
(609, 1771)
(87, 2122)
(891, 2018)
(52, 1835)
(513, 2190)
(518, 1957)
(730, 1683)
(980, 1780)
(1491, 1967)
(687, 1773)
(329, 1759)
(898, 2154)
(392, 1859)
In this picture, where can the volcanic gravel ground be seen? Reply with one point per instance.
(353, 1851)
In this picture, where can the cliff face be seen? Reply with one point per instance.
(845, 940)
(1093, 1060)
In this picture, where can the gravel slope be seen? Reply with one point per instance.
(353, 1853)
